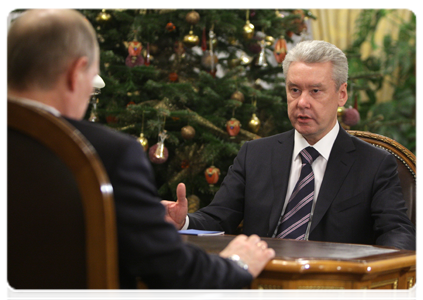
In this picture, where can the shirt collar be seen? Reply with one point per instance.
(324, 145)
(37, 104)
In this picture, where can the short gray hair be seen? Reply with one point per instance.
(41, 44)
(314, 51)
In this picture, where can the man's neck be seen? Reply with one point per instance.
(48, 98)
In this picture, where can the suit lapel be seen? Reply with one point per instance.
(281, 167)
(337, 169)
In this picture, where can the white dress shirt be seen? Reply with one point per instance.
(324, 146)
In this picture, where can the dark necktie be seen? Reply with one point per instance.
(297, 214)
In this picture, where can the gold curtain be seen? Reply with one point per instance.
(337, 26)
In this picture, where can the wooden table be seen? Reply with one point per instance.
(322, 265)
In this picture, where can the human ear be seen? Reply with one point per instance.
(75, 72)
(343, 95)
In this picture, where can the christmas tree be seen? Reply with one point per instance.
(193, 85)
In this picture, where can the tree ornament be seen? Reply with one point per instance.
(134, 57)
(248, 29)
(94, 116)
(254, 123)
(261, 59)
(170, 27)
(184, 164)
(212, 175)
(193, 203)
(279, 14)
(143, 141)
(280, 50)
(187, 132)
(173, 77)
(191, 40)
(351, 116)
(147, 56)
(192, 17)
(209, 60)
(300, 14)
(254, 47)
(110, 119)
(238, 96)
(340, 112)
(204, 40)
(269, 40)
(245, 59)
(233, 127)
(158, 153)
(103, 16)
(179, 48)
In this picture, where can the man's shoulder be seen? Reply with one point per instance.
(92, 129)
(368, 149)
(108, 142)
(280, 137)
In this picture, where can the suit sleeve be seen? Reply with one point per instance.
(226, 211)
(149, 247)
(392, 227)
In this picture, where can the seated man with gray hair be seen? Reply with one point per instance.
(314, 182)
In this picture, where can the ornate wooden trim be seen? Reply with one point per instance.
(393, 282)
(410, 282)
(339, 290)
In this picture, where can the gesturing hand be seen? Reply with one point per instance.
(177, 211)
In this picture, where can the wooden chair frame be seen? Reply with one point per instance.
(402, 154)
(95, 189)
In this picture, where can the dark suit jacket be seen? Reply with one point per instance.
(149, 247)
(360, 199)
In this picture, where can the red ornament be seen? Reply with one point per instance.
(204, 40)
(351, 116)
(134, 48)
(170, 27)
(111, 119)
(280, 50)
(133, 61)
(212, 175)
(158, 153)
(184, 164)
(233, 126)
(173, 77)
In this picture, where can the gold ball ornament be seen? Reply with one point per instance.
(269, 40)
(192, 17)
(103, 16)
(238, 96)
(248, 31)
(187, 132)
(209, 60)
(143, 141)
(191, 40)
(193, 203)
(340, 111)
(254, 124)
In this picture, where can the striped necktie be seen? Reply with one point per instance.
(297, 214)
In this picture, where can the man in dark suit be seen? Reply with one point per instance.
(357, 194)
(53, 57)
